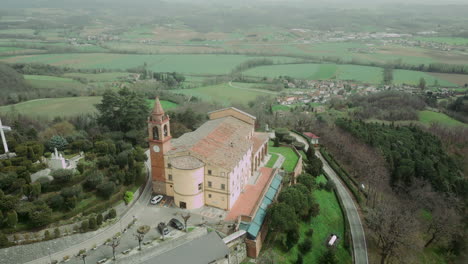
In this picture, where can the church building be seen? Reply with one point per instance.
(209, 166)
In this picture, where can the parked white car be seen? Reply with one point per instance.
(156, 199)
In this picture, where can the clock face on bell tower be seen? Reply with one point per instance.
(159, 135)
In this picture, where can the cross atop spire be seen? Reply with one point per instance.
(158, 110)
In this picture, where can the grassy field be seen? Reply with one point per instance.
(223, 93)
(99, 77)
(68, 106)
(365, 74)
(291, 157)
(413, 77)
(272, 160)
(47, 78)
(194, 64)
(460, 79)
(330, 220)
(320, 72)
(299, 71)
(53, 82)
(428, 117)
(53, 107)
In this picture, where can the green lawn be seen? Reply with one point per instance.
(186, 63)
(223, 93)
(280, 108)
(290, 156)
(329, 221)
(413, 77)
(68, 106)
(47, 78)
(8, 49)
(365, 74)
(299, 71)
(428, 117)
(271, 162)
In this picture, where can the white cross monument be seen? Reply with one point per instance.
(4, 128)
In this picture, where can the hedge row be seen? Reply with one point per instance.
(342, 174)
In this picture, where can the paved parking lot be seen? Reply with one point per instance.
(152, 215)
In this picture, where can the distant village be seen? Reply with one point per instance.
(322, 91)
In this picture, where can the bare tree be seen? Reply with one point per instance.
(393, 226)
(140, 235)
(114, 243)
(186, 218)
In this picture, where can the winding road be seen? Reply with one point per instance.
(350, 209)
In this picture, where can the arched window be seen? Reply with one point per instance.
(165, 130)
(155, 133)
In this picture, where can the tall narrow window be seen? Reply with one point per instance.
(165, 131)
(209, 172)
(170, 177)
(210, 184)
(223, 187)
(200, 186)
(155, 133)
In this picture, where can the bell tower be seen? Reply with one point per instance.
(159, 134)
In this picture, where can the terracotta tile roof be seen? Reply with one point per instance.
(158, 110)
(259, 139)
(186, 162)
(235, 109)
(247, 201)
(222, 142)
(310, 135)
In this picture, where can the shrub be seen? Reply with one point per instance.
(111, 214)
(12, 218)
(99, 219)
(280, 133)
(55, 202)
(276, 142)
(4, 240)
(62, 175)
(314, 210)
(299, 145)
(305, 246)
(300, 259)
(328, 257)
(310, 232)
(92, 223)
(289, 139)
(58, 142)
(47, 235)
(94, 178)
(106, 189)
(128, 197)
(292, 237)
(84, 226)
(329, 186)
(56, 233)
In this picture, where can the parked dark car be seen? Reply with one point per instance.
(176, 224)
(163, 228)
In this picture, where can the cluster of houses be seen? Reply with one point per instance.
(321, 91)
